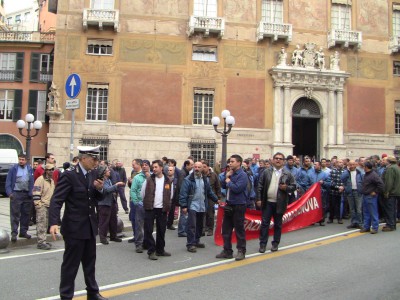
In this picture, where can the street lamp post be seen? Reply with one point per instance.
(28, 124)
(229, 121)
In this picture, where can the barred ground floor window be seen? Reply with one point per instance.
(203, 149)
(95, 141)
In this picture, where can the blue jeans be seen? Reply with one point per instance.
(268, 212)
(355, 204)
(370, 210)
(182, 223)
(194, 227)
(139, 225)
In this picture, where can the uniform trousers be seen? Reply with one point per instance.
(42, 223)
(77, 251)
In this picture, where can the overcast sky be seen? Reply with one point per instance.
(13, 5)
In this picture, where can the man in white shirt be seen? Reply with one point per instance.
(156, 194)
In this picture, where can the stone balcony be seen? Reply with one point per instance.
(101, 18)
(274, 31)
(206, 25)
(27, 36)
(346, 38)
(394, 44)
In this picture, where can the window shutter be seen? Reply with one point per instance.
(19, 67)
(32, 103)
(17, 105)
(35, 65)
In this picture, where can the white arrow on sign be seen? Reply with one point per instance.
(72, 84)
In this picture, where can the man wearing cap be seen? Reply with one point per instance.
(43, 190)
(78, 188)
(391, 193)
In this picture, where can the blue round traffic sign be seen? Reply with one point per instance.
(73, 85)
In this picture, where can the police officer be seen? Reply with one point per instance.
(78, 188)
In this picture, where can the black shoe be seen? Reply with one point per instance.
(262, 249)
(95, 297)
(126, 211)
(172, 227)
(274, 247)
(182, 235)
(240, 255)
(13, 238)
(104, 241)
(224, 254)
(25, 235)
(43, 246)
(165, 253)
(209, 233)
(203, 234)
(132, 240)
(340, 221)
(351, 226)
(200, 245)
(321, 223)
(116, 239)
(330, 221)
(192, 249)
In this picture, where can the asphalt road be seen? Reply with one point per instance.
(328, 262)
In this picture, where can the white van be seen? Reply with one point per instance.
(8, 156)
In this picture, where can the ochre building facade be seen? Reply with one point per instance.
(154, 73)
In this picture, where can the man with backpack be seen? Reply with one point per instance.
(273, 191)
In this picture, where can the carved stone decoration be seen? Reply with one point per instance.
(297, 57)
(309, 55)
(335, 59)
(282, 58)
(320, 59)
(308, 92)
(53, 105)
(203, 69)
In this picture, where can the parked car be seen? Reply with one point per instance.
(4, 168)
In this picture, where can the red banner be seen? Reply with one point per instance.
(301, 213)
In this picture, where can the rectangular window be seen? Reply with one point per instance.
(204, 53)
(341, 16)
(397, 117)
(46, 63)
(203, 149)
(396, 68)
(103, 141)
(396, 19)
(203, 107)
(8, 61)
(6, 104)
(41, 106)
(205, 8)
(27, 16)
(99, 47)
(272, 11)
(102, 4)
(18, 19)
(97, 102)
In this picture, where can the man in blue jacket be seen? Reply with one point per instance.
(193, 199)
(19, 185)
(235, 184)
(352, 182)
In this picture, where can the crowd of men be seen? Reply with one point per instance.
(363, 190)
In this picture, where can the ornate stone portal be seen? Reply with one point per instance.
(307, 77)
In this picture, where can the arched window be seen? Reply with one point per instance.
(9, 142)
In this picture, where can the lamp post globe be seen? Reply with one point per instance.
(229, 122)
(29, 124)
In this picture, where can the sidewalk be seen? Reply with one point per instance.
(5, 222)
